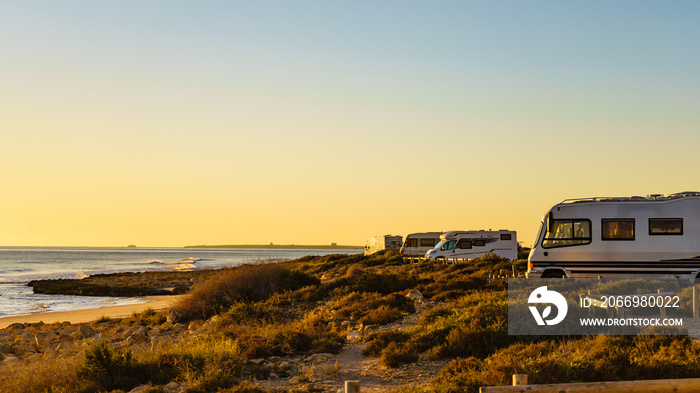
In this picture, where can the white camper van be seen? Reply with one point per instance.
(417, 244)
(624, 237)
(378, 243)
(456, 245)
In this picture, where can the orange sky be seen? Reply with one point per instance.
(246, 124)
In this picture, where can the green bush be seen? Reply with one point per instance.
(244, 283)
(109, 367)
(464, 341)
(373, 281)
(460, 376)
(435, 313)
(395, 355)
(372, 308)
(379, 341)
(283, 339)
(272, 310)
(384, 258)
(148, 317)
(211, 380)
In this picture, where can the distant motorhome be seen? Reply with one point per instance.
(417, 244)
(378, 243)
(463, 245)
(625, 237)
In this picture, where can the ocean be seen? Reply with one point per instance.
(19, 265)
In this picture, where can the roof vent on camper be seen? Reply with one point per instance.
(654, 196)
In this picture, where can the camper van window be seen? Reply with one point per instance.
(665, 226)
(465, 244)
(505, 236)
(563, 233)
(618, 229)
(427, 242)
(479, 243)
(448, 245)
(411, 243)
(537, 236)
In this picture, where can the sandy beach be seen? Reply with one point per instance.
(79, 316)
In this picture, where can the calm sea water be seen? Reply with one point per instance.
(20, 265)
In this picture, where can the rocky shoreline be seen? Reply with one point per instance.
(126, 284)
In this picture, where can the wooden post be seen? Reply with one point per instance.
(519, 379)
(696, 309)
(352, 386)
(515, 271)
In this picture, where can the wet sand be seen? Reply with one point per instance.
(79, 316)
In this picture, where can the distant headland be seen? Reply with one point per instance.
(271, 245)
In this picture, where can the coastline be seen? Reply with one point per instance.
(92, 314)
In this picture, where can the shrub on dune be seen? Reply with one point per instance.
(243, 283)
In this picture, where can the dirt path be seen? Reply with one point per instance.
(353, 366)
(375, 378)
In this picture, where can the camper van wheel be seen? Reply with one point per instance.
(553, 274)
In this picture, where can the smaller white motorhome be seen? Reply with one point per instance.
(463, 245)
(635, 236)
(378, 243)
(417, 244)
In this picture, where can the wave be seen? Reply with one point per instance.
(186, 260)
(40, 307)
(9, 271)
(109, 302)
(185, 264)
(185, 267)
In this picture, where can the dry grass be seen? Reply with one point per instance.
(307, 335)
(250, 283)
(371, 308)
(46, 376)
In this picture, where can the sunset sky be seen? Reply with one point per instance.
(172, 123)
